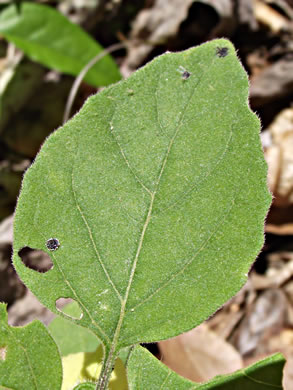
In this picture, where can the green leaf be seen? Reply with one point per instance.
(70, 337)
(157, 194)
(147, 372)
(144, 371)
(29, 358)
(85, 386)
(48, 37)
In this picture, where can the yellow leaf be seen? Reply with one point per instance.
(81, 367)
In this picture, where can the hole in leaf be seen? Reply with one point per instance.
(222, 51)
(36, 260)
(3, 352)
(11, 288)
(69, 307)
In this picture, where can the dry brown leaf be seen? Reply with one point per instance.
(153, 26)
(283, 343)
(268, 16)
(6, 231)
(274, 82)
(26, 309)
(158, 24)
(288, 372)
(200, 354)
(280, 220)
(224, 322)
(275, 277)
(268, 311)
(282, 135)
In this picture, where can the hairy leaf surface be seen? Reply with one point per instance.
(47, 36)
(147, 372)
(29, 358)
(156, 192)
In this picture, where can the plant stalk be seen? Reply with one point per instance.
(107, 368)
(82, 74)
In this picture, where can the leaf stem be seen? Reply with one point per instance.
(82, 74)
(107, 368)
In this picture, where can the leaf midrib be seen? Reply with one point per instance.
(148, 218)
(190, 261)
(222, 220)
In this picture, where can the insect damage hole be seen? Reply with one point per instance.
(3, 352)
(69, 307)
(222, 51)
(35, 259)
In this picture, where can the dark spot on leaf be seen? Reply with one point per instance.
(60, 306)
(3, 352)
(222, 51)
(36, 260)
(185, 75)
(52, 244)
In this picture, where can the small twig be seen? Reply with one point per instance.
(82, 74)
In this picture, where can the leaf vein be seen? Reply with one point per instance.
(92, 238)
(189, 262)
(125, 158)
(201, 179)
(79, 301)
(260, 382)
(165, 380)
(146, 223)
(157, 110)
